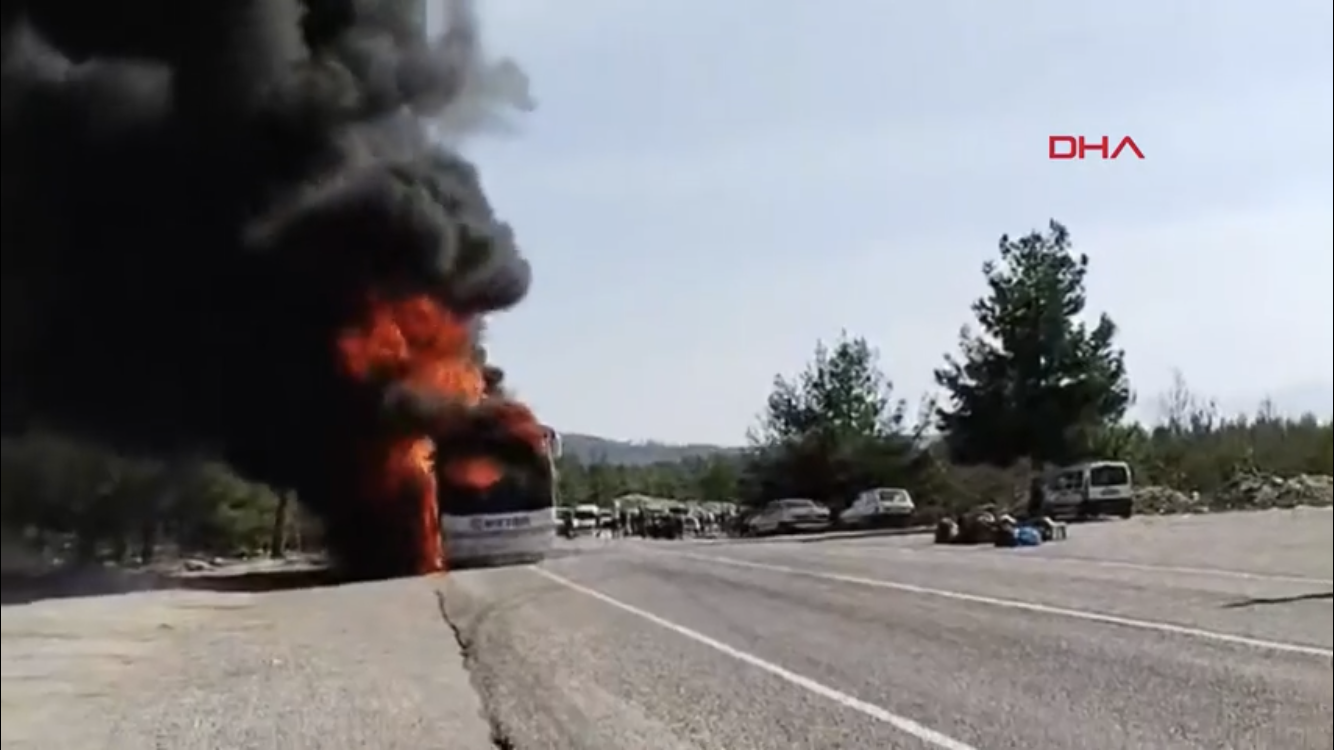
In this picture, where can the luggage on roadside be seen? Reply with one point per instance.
(1027, 536)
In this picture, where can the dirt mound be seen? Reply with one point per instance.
(1243, 492)
(1157, 500)
(1260, 491)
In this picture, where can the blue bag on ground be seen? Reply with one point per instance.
(1027, 536)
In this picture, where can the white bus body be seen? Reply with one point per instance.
(504, 526)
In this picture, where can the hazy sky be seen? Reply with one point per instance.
(707, 188)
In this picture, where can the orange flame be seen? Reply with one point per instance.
(418, 342)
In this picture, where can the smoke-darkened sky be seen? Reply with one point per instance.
(197, 196)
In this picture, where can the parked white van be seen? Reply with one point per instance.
(1089, 489)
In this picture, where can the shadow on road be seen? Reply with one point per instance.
(27, 587)
(1255, 602)
(836, 535)
(261, 581)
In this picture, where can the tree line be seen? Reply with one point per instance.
(1035, 381)
(75, 500)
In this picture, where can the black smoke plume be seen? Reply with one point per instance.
(198, 193)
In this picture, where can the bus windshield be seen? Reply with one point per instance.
(507, 496)
(519, 491)
(526, 490)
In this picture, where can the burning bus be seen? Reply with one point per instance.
(511, 522)
(323, 262)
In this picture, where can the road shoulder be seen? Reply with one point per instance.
(368, 665)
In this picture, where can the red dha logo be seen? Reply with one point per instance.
(1075, 147)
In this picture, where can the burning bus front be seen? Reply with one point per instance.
(511, 523)
(520, 530)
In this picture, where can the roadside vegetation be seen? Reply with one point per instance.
(1038, 380)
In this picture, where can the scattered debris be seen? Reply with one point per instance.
(985, 526)
(1243, 492)
(1266, 491)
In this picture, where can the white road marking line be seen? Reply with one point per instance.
(1186, 570)
(1094, 562)
(905, 725)
(1078, 614)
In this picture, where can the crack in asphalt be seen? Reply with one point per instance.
(499, 739)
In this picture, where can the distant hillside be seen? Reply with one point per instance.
(589, 448)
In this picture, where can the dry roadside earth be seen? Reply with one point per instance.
(358, 666)
(1294, 542)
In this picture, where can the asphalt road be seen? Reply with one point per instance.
(1155, 634)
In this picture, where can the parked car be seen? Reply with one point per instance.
(879, 507)
(790, 515)
(689, 521)
(587, 518)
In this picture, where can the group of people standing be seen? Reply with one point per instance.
(659, 524)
